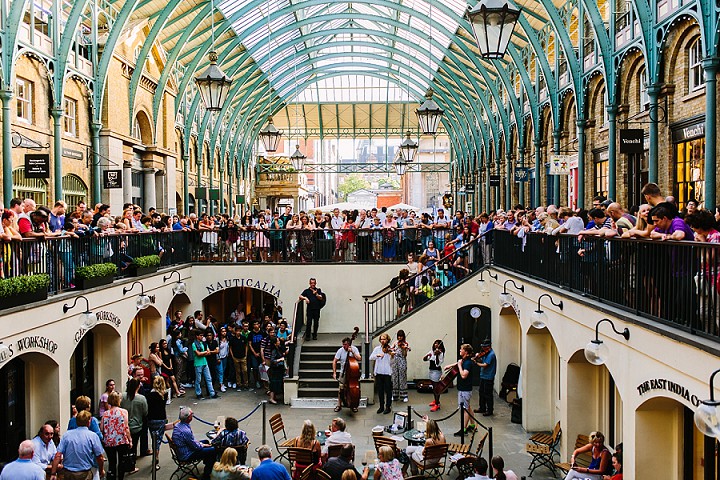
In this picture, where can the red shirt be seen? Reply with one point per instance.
(24, 225)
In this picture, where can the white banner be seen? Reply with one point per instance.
(559, 165)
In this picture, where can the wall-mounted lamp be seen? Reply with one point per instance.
(505, 298)
(539, 317)
(143, 301)
(87, 318)
(5, 352)
(180, 286)
(596, 352)
(482, 285)
(706, 416)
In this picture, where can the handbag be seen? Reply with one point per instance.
(126, 462)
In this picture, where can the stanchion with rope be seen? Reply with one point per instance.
(264, 421)
(490, 437)
(260, 404)
(153, 437)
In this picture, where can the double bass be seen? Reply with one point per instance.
(351, 397)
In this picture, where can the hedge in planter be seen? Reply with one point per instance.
(23, 289)
(145, 265)
(91, 276)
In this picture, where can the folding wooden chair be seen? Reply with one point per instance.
(183, 468)
(298, 456)
(433, 464)
(282, 443)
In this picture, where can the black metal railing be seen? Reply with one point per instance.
(673, 282)
(314, 245)
(60, 257)
(393, 302)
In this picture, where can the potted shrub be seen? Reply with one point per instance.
(97, 275)
(23, 289)
(144, 265)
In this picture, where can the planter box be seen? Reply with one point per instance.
(139, 272)
(23, 299)
(85, 283)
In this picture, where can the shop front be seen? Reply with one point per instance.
(689, 160)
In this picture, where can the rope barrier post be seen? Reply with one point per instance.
(490, 448)
(264, 422)
(462, 424)
(153, 437)
(410, 421)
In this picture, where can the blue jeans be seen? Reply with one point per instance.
(203, 372)
(221, 369)
(158, 428)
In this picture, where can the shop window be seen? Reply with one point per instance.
(601, 178)
(35, 188)
(690, 171)
(136, 130)
(74, 190)
(24, 96)
(70, 117)
(644, 97)
(695, 69)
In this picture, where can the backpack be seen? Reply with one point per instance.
(394, 282)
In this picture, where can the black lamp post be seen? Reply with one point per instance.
(270, 136)
(429, 114)
(213, 85)
(493, 22)
(408, 148)
(298, 159)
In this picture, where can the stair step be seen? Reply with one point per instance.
(317, 355)
(308, 373)
(310, 347)
(315, 364)
(326, 382)
(317, 392)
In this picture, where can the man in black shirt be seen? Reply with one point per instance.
(214, 348)
(238, 351)
(315, 300)
(335, 466)
(254, 355)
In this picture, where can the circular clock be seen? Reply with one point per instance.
(475, 312)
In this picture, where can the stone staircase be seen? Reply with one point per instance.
(315, 372)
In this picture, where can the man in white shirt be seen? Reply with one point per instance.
(364, 245)
(338, 436)
(382, 355)
(341, 356)
(45, 449)
(440, 229)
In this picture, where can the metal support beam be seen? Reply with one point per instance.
(345, 168)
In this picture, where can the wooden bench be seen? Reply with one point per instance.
(583, 460)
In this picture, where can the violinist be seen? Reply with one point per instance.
(383, 355)
(488, 367)
(399, 371)
(435, 356)
(341, 356)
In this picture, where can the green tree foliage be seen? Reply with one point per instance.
(352, 183)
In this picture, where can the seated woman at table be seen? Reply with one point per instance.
(228, 469)
(433, 436)
(388, 469)
(232, 436)
(599, 465)
(307, 439)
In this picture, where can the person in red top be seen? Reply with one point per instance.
(617, 467)
(34, 226)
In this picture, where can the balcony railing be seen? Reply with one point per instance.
(60, 257)
(675, 283)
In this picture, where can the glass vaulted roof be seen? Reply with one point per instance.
(337, 52)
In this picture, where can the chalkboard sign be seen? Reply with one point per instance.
(37, 165)
(494, 180)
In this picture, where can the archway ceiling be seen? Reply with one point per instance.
(376, 54)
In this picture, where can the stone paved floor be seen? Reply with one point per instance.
(509, 438)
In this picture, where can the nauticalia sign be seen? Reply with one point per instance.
(243, 282)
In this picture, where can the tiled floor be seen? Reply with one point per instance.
(508, 438)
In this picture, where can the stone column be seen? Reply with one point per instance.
(149, 195)
(127, 182)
